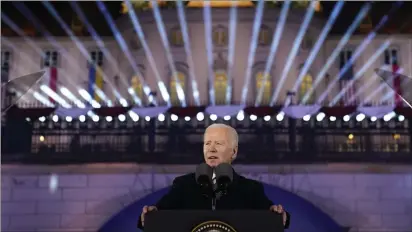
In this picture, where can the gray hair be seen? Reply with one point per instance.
(232, 132)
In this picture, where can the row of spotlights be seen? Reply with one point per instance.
(82, 118)
(240, 117)
(161, 117)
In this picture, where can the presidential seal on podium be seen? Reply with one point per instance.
(213, 226)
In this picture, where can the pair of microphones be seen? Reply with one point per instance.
(223, 176)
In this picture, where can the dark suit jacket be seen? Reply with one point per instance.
(242, 194)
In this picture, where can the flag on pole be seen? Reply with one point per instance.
(391, 64)
(346, 80)
(137, 87)
(95, 81)
(50, 80)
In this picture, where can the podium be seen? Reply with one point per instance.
(213, 221)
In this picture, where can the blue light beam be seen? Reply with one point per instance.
(315, 50)
(252, 49)
(273, 48)
(331, 59)
(296, 45)
(358, 52)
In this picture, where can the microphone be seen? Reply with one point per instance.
(204, 176)
(224, 176)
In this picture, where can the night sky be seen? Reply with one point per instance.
(403, 17)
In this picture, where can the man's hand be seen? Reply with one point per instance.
(280, 210)
(145, 210)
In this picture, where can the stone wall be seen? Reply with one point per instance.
(367, 198)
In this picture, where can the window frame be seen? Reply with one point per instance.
(391, 60)
(347, 53)
(174, 32)
(265, 29)
(47, 58)
(223, 32)
(98, 55)
(224, 72)
(180, 68)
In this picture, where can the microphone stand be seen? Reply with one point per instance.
(214, 197)
(218, 193)
(214, 201)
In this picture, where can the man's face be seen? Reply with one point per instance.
(217, 146)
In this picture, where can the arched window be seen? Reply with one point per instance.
(220, 36)
(176, 37)
(137, 86)
(306, 84)
(181, 79)
(220, 86)
(265, 36)
(266, 84)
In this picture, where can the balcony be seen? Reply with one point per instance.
(179, 141)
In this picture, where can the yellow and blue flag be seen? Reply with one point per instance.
(95, 81)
